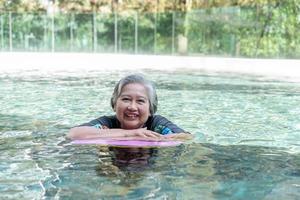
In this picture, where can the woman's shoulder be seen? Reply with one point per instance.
(111, 117)
(109, 121)
(158, 118)
(107, 118)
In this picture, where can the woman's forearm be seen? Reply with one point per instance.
(87, 132)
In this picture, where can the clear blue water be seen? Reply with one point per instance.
(246, 142)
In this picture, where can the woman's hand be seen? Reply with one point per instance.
(142, 134)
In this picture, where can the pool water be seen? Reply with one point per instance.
(246, 145)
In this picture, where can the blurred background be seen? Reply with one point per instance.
(235, 28)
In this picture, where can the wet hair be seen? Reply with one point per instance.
(136, 78)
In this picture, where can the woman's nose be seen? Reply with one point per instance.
(132, 106)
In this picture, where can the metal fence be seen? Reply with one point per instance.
(231, 31)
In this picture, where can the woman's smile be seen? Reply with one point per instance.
(131, 115)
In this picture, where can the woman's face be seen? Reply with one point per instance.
(132, 107)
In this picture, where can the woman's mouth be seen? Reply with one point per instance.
(131, 115)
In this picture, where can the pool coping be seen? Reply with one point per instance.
(287, 69)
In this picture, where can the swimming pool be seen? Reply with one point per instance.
(246, 138)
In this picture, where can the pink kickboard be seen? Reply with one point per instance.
(128, 143)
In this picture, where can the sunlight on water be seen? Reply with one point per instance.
(246, 142)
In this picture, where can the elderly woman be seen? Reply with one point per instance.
(134, 101)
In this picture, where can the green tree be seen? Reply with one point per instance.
(21, 5)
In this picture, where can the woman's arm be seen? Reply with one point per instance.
(87, 132)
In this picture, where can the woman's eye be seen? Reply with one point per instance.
(125, 99)
(141, 101)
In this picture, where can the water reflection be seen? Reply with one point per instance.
(132, 157)
(121, 162)
(201, 170)
(189, 171)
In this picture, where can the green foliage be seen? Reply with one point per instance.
(263, 30)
